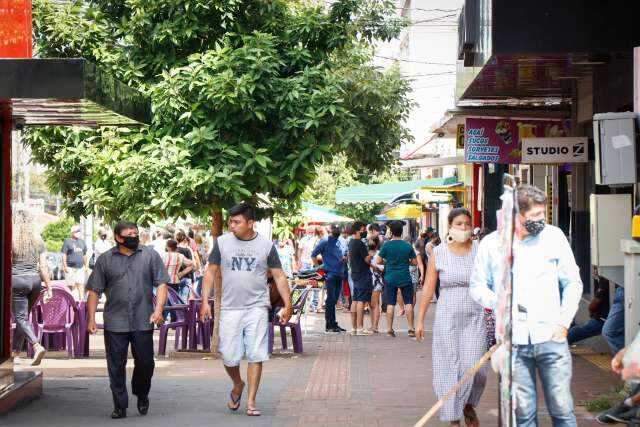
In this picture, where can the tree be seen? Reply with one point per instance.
(248, 97)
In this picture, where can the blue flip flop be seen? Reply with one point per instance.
(235, 401)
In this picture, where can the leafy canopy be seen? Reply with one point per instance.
(248, 97)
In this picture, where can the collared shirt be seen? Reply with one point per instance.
(332, 253)
(128, 283)
(546, 283)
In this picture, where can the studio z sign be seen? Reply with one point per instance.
(555, 150)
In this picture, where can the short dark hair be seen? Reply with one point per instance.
(124, 225)
(191, 234)
(396, 228)
(356, 226)
(180, 236)
(166, 235)
(172, 244)
(335, 228)
(456, 213)
(528, 196)
(375, 227)
(244, 209)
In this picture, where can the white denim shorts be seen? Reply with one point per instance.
(244, 333)
(75, 276)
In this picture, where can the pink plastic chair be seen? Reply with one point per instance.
(57, 315)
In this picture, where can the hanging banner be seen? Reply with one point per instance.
(499, 140)
(555, 150)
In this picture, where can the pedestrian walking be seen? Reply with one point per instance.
(178, 266)
(377, 275)
(459, 331)
(127, 275)
(239, 264)
(360, 262)
(397, 255)
(546, 293)
(29, 268)
(333, 259)
(74, 262)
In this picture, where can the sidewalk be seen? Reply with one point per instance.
(340, 380)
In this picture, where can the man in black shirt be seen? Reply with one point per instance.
(598, 311)
(360, 261)
(127, 275)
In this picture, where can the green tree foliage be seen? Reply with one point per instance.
(248, 97)
(55, 232)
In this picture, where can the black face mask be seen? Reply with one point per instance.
(534, 227)
(131, 242)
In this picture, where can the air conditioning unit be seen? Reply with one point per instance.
(614, 135)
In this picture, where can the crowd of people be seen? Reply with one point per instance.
(368, 270)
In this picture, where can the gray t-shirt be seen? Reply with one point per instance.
(244, 265)
(75, 250)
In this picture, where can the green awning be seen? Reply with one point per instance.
(383, 193)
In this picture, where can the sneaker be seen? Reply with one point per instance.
(353, 332)
(341, 329)
(620, 413)
(332, 331)
(39, 353)
(366, 332)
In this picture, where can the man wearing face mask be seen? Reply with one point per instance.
(127, 275)
(75, 262)
(102, 245)
(546, 292)
(333, 260)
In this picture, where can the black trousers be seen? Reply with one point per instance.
(117, 347)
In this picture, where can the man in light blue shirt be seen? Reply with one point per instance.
(546, 293)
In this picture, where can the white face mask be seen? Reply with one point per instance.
(460, 236)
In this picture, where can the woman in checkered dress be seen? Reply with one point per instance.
(459, 331)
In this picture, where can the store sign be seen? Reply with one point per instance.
(499, 140)
(555, 150)
(460, 137)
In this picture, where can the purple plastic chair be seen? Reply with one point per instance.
(293, 324)
(180, 325)
(199, 332)
(57, 315)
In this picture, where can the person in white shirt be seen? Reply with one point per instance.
(102, 245)
(546, 293)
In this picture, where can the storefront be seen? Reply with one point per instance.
(36, 92)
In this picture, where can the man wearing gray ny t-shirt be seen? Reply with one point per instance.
(239, 264)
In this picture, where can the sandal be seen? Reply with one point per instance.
(412, 333)
(391, 333)
(470, 417)
(235, 401)
(253, 412)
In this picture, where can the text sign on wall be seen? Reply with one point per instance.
(499, 140)
(15, 28)
(555, 150)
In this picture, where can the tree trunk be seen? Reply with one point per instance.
(216, 222)
(216, 231)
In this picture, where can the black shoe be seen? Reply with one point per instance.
(119, 413)
(341, 329)
(143, 405)
(333, 330)
(620, 413)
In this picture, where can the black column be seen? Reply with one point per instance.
(492, 190)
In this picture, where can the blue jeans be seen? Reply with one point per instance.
(333, 285)
(592, 328)
(552, 360)
(613, 329)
